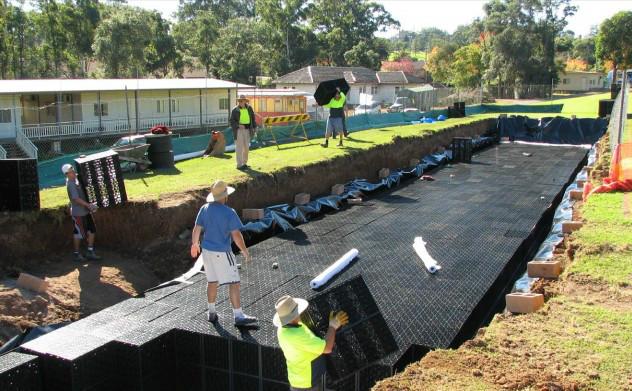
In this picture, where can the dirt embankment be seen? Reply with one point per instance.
(149, 229)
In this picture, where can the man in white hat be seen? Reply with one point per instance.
(302, 349)
(242, 121)
(221, 226)
(81, 212)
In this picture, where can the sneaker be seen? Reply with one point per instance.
(91, 255)
(325, 144)
(211, 316)
(77, 257)
(245, 320)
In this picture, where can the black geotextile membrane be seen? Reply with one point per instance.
(474, 217)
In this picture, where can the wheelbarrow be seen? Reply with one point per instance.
(133, 157)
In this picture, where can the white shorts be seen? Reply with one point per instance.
(220, 267)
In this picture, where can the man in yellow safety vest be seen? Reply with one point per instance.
(335, 122)
(303, 350)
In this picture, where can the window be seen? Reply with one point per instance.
(397, 89)
(362, 90)
(373, 90)
(5, 116)
(104, 109)
(162, 106)
(565, 81)
(224, 103)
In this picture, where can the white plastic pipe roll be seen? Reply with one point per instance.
(333, 269)
(429, 262)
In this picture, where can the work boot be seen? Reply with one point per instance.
(91, 255)
(325, 144)
(340, 143)
(245, 320)
(77, 257)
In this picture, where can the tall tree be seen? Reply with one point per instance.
(160, 52)
(120, 40)
(343, 24)
(614, 41)
(439, 61)
(237, 52)
(466, 71)
(224, 10)
(522, 49)
(194, 38)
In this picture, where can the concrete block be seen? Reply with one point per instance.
(544, 269)
(576, 195)
(413, 162)
(252, 214)
(32, 283)
(337, 189)
(301, 198)
(384, 173)
(571, 226)
(354, 201)
(524, 303)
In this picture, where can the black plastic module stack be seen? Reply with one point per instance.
(102, 180)
(19, 371)
(479, 222)
(19, 185)
(462, 149)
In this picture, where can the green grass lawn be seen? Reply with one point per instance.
(581, 106)
(196, 173)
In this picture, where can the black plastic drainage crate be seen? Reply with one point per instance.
(462, 149)
(19, 372)
(102, 180)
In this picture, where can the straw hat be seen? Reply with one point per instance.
(242, 98)
(288, 308)
(219, 191)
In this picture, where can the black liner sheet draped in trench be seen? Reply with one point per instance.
(556, 130)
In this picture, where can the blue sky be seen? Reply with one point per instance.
(448, 14)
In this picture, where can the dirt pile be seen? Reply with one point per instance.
(75, 290)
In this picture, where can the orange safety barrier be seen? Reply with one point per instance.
(620, 175)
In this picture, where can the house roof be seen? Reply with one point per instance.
(583, 73)
(317, 74)
(271, 92)
(398, 77)
(353, 75)
(81, 85)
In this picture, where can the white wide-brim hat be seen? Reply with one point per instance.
(219, 190)
(288, 308)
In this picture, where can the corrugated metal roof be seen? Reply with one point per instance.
(80, 85)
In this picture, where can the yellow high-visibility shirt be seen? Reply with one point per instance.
(244, 116)
(301, 348)
(337, 104)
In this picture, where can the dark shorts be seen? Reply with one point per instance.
(82, 225)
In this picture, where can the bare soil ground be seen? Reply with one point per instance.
(517, 353)
(75, 290)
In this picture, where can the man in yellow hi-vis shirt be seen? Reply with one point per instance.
(335, 122)
(242, 121)
(302, 349)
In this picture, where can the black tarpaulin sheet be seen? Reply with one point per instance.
(555, 130)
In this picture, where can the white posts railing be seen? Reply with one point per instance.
(3, 153)
(119, 125)
(27, 145)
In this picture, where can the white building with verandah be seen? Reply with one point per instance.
(58, 109)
